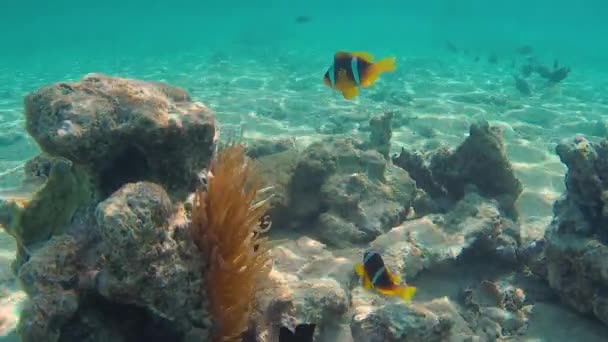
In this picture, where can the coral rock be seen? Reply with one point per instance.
(306, 286)
(473, 226)
(124, 130)
(350, 195)
(576, 242)
(262, 147)
(479, 161)
(131, 268)
(381, 133)
(393, 322)
(65, 190)
(144, 263)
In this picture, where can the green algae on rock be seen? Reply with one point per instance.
(51, 208)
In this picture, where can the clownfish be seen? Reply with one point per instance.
(376, 274)
(353, 70)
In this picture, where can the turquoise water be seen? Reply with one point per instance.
(260, 69)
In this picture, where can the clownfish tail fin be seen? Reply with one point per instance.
(407, 293)
(374, 71)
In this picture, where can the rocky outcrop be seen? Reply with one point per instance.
(262, 147)
(576, 244)
(345, 193)
(474, 227)
(104, 244)
(381, 133)
(123, 130)
(311, 284)
(393, 322)
(307, 284)
(79, 287)
(479, 162)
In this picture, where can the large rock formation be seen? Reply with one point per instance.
(473, 227)
(123, 130)
(576, 243)
(310, 284)
(104, 247)
(479, 162)
(345, 193)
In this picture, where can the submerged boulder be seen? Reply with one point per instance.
(474, 227)
(133, 259)
(344, 193)
(307, 284)
(123, 130)
(104, 243)
(576, 242)
(480, 161)
(394, 321)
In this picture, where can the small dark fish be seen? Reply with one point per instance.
(543, 71)
(559, 75)
(303, 19)
(525, 50)
(526, 70)
(451, 47)
(522, 86)
(553, 76)
(302, 333)
(493, 59)
(476, 59)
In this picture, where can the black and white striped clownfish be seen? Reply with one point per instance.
(376, 274)
(355, 69)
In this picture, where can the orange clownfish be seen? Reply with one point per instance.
(376, 274)
(353, 70)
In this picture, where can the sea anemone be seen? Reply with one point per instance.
(227, 227)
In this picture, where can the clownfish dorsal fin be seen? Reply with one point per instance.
(366, 56)
(342, 54)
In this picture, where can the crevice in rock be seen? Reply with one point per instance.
(99, 319)
(129, 166)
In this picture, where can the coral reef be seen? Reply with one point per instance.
(347, 193)
(480, 161)
(132, 256)
(307, 284)
(105, 246)
(262, 147)
(575, 244)
(65, 190)
(123, 130)
(138, 230)
(226, 227)
(474, 226)
(381, 133)
(394, 322)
